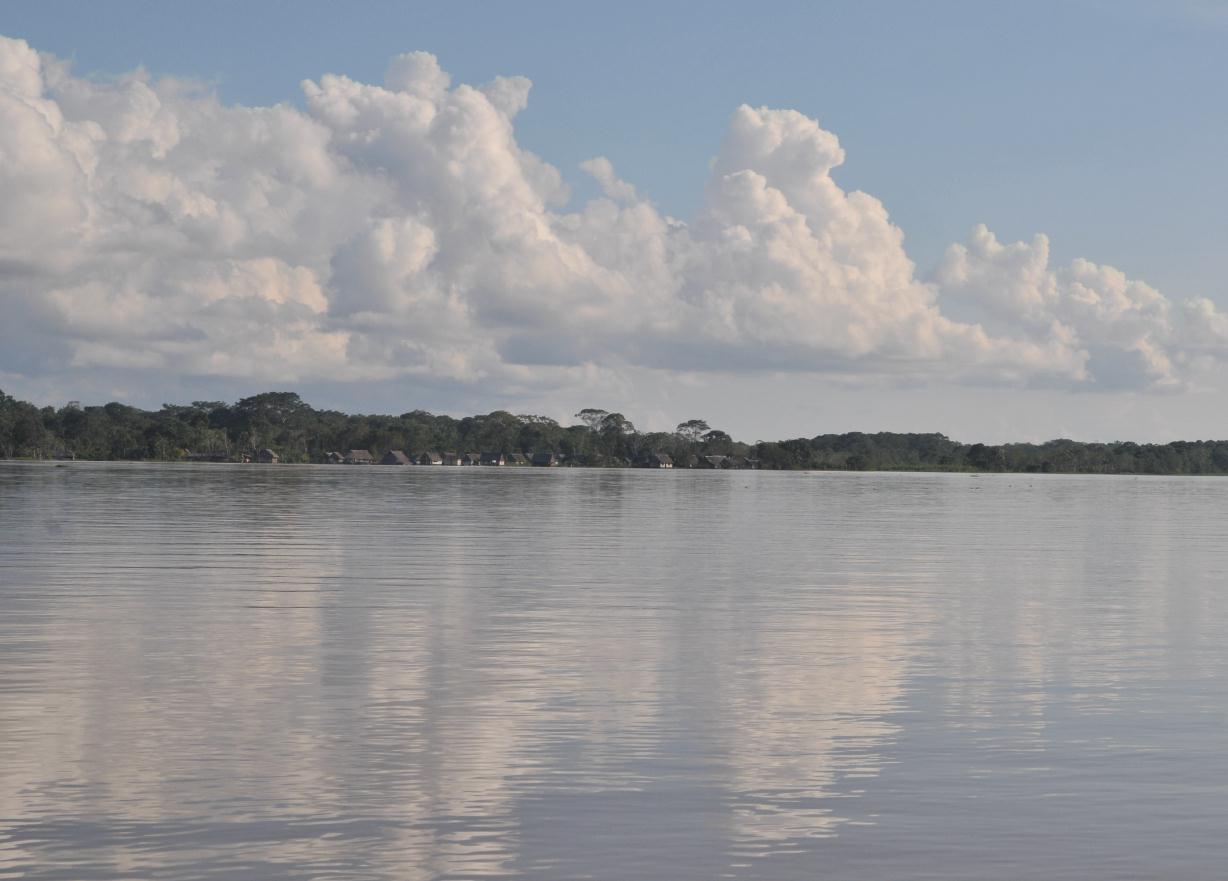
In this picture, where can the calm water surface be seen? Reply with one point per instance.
(425, 673)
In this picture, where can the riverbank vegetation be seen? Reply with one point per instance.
(298, 432)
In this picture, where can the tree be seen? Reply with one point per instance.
(616, 424)
(274, 419)
(692, 430)
(592, 417)
(538, 434)
(26, 432)
(986, 458)
(497, 432)
(7, 416)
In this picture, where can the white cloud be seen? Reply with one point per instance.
(1125, 326)
(399, 230)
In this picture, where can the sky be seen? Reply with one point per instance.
(998, 221)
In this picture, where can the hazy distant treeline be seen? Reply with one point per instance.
(297, 432)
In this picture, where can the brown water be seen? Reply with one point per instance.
(425, 673)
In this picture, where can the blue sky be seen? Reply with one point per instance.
(1099, 124)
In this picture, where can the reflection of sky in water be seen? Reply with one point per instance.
(411, 673)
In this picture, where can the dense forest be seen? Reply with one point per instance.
(297, 432)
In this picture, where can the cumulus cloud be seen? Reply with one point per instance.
(400, 230)
(1125, 326)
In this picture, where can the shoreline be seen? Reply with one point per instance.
(970, 472)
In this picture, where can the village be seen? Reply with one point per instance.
(545, 459)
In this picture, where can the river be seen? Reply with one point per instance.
(312, 672)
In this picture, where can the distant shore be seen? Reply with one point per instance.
(968, 472)
(280, 428)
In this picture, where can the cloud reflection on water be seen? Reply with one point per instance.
(418, 674)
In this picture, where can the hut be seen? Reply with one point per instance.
(471, 459)
(545, 460)
(334, 458)
(395, 457)
(658, 460)
(518, 459)
(430, 459)
(711, 462)
(359, 457)
(493, 459)
(450, 458)
(267, 457)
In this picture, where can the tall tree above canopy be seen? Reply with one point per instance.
(616, 424)
(592, 417)
(274, 407)
(693, 429)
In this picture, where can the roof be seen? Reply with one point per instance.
(359, 454)
(395, 457)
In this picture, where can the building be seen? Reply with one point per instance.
(493, 459)
(545, 460)
(711, 462)
(471, 459)
(359, 457)
(450, 458)
(517, 459)
(430, 459)
(267, 457)
(658, 460)
(334, 458)
(395, 457)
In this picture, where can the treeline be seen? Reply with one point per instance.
(297, 432)
(887, 451)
